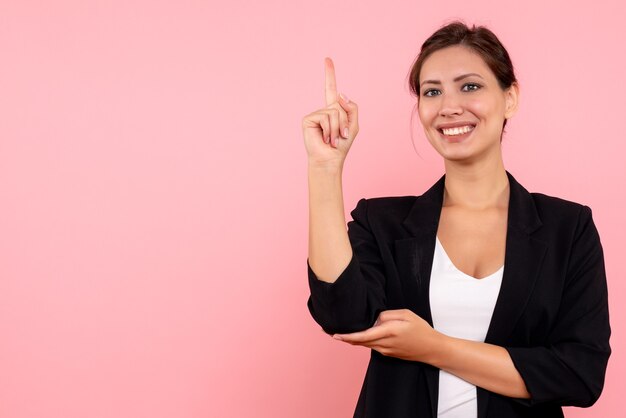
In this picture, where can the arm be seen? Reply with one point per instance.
(344, 292)
(403, 334)
(354, 299)
(486, 365)
(570, 368)
(329, 246)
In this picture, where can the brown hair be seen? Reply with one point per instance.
(480, 40)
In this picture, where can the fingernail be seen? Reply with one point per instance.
(344, 97)
(335, 142)
(337, 337)
(345, 133)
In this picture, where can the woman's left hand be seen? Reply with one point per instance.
(398, 333)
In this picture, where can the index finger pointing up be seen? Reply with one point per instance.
(331, 83)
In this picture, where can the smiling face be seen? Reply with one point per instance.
(459, 91)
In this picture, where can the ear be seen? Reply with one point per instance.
(511, 96)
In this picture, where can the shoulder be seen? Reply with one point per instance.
(389, 207)
(383, 215)
(389, 204)
(556, 210)
(566, 223)
(546, 201)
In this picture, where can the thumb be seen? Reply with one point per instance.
(392, 315)
(351, 109)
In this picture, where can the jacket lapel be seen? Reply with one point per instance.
(523, 258)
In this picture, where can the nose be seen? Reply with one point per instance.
(450, 105)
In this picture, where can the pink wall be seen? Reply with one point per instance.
(153, 190)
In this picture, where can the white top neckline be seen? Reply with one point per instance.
(443, 250)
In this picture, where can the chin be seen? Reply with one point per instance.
(457, 157)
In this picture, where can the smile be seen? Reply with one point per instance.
(457, 131)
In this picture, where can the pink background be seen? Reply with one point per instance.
(153, 188)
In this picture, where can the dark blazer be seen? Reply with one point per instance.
(551, 314)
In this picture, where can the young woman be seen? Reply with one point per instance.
(477, 298)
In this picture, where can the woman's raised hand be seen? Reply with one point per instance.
(329, 132)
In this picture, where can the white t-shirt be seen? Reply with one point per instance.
(461, 307)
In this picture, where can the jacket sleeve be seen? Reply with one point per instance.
(570, 369)
(351, 303)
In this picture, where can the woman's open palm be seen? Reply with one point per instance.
(329, 132)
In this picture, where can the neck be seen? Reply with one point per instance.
(476, 186)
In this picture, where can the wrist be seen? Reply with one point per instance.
(440, 351)
(332, 168)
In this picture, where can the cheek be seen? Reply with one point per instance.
(490, 111)
(426, 113)
(480, 108)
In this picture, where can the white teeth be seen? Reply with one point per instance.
(457, 131)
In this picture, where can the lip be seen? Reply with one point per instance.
(454, 125)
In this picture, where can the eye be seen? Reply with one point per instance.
(427, 92)
(473, 85)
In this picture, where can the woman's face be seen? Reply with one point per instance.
(459, 91)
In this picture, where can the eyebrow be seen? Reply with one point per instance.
(461, 77)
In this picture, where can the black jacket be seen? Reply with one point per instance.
(551, 314)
